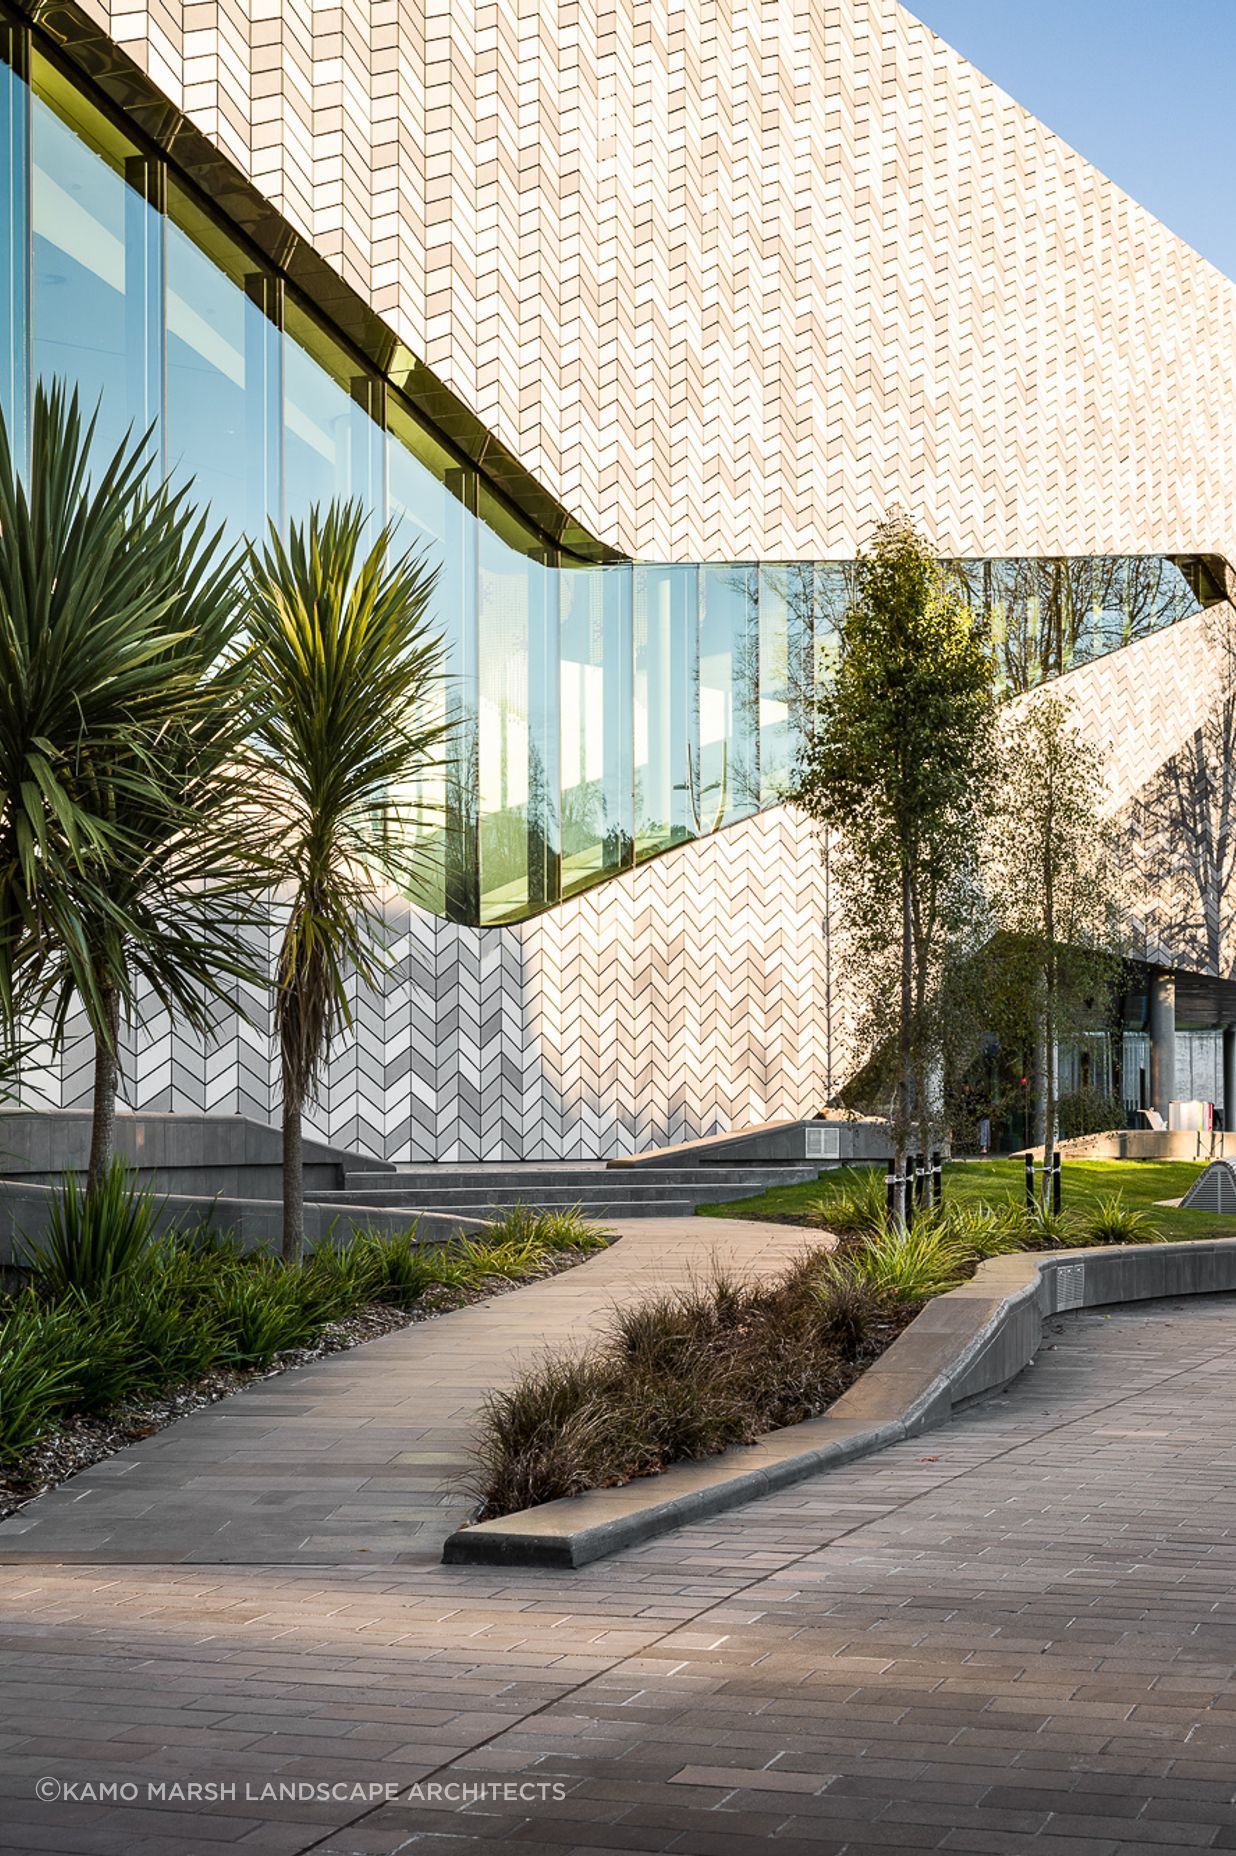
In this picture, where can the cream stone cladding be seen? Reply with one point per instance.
(730, 279)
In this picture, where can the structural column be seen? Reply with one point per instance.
(1229, 1077)
(1162, 1041)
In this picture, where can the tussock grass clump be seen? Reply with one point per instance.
(1114, 1222)
(860, 1210)
(680, 1375)
(906, 1266)
(563, 1228)
(35, 1377)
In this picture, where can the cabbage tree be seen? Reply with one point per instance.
(129, 866)
(350, 668)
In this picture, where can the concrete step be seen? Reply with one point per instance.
(502, 1193)
(600, 1180)
(599, 1191)
(458, 1199)
(611, 1211)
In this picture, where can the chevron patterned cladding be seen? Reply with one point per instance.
(732, 276)
(699, 992)
(1140, 703)
(729, 279)
(688, 997)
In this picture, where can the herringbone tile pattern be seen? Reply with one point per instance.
(690, 996)
(732, 277)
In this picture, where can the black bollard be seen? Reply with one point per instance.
(1029, 1182)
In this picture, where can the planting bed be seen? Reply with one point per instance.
(687, 1376)
(64, 1349)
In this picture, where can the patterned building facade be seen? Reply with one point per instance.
(733, 276)
(724, 282)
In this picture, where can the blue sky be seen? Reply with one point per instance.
(1136, 86)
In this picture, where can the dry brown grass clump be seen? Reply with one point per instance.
(680, 1375)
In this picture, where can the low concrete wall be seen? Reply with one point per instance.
(1138, 1144)
(198, 1156)
(257, 1223)
(969, 1342)
(824, 1140)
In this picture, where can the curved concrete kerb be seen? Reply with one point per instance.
(970, 1341)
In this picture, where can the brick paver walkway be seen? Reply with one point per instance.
(364, 1453)
(1014, 1634)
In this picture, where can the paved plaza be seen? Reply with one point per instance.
(1016, 1633)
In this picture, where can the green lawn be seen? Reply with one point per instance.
(1140, 1183)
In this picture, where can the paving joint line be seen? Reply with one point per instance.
(793, 1560)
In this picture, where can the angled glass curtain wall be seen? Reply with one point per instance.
(602, 714)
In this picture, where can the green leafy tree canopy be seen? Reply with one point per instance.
(896, 769)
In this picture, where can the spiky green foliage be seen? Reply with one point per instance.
(1114, 1222)
(907, 1265)
(36, 1380)
(118, 1315)
(855, 1212)
(127, 858)
(343, 648)
(92, 1239)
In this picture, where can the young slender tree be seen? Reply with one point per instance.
(1055, 867)
(343, 648)
(896, 768)
(126, 865)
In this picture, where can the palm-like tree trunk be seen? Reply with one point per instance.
(293, 1172)
(106, 1084)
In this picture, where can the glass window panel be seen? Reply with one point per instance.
(221, 353)
(96, 274)
(331, 445)
(666, 705)
(14, 235)
(830, 595)
(434, 523)
(787, 621)
(729, 674)
(517, 631)
(596, 722)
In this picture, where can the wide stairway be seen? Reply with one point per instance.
(600, 1192)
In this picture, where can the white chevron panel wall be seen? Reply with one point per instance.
(730, 278)
(690, 996)
(1140, 703)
